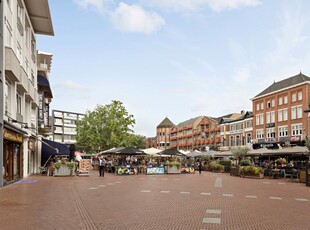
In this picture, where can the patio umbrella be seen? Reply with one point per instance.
(129, 151)
(171, 152)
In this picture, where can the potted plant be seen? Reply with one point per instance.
(173, 167)
(251, 171)
(238, 155)
(216, 167)
(64, 168)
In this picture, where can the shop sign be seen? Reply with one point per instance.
(270, 125)
(12, 136)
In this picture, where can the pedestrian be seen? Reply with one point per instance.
(199, 167)
(102, 163)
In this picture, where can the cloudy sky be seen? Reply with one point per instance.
(173, 58)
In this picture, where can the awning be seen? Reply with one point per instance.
(44, 85)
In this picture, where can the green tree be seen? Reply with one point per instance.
(136, 141)
(239, 153)
(106, 127)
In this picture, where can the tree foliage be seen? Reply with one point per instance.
(239, 153)
(106, 127)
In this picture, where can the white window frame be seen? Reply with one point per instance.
(285, 114)
(280, 115)
(299, 112)
(257, 107)
(270, 132)
(296, 129)
(280, 101)
(273, 103)
(18, 103)
(283, 131)
(285, 100)
(299, 96)
(259, 133)
(293, 97)
(262, 106)
(293, 113)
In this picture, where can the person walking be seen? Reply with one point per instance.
(102, 163)
(199, 166)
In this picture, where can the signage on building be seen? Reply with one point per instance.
(40, 110)
(270, 125)
(12, 136)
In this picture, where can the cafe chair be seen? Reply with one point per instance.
(295, 176)
(287, 175)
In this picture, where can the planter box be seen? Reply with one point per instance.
(302, 176)
(64, 171)
(258, 176)
(234, 171)
(173, 169)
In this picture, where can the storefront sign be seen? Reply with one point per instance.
(155, 170)
(12, 136)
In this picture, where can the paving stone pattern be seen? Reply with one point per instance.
(155, 202)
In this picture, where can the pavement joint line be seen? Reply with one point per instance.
(275, 198)
(214, 211)
(205, 194)
(185, 193)
(211, 220)
(302, 199)
(250, 196)
(163, 191)
(228, 195)
(145, 190)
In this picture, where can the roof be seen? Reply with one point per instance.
(289, 82)
(40, 16)
(166, 123)
(188, 122)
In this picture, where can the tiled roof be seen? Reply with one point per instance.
(300, 78)
(188, 122)
(166, 123)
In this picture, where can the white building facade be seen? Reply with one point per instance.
(20, 22)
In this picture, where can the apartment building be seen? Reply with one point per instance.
(23, 19)
(236, 130)
(279, 117)
(64, 126)
(163, 134)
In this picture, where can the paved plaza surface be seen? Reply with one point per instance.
(191, 201)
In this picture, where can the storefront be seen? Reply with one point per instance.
(12, 155)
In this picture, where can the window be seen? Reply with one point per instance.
(7, 98)
(296, 129)
(268, 104)
(267, 118)
(280, 115)
(285, 99)
(285, 114)
(262, 105)
(280, 101)
(293, 97)
(271, 132)
(257, 107)
(248, 124)
(296, 112)
(259, 133)
(273, 103)
(20, 11)
(293, 113)
(282, 131)
(18, 104)
(299, 96)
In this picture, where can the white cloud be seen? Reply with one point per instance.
(135, 19)
(195, 5)
(71, 85)
(95, 4)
